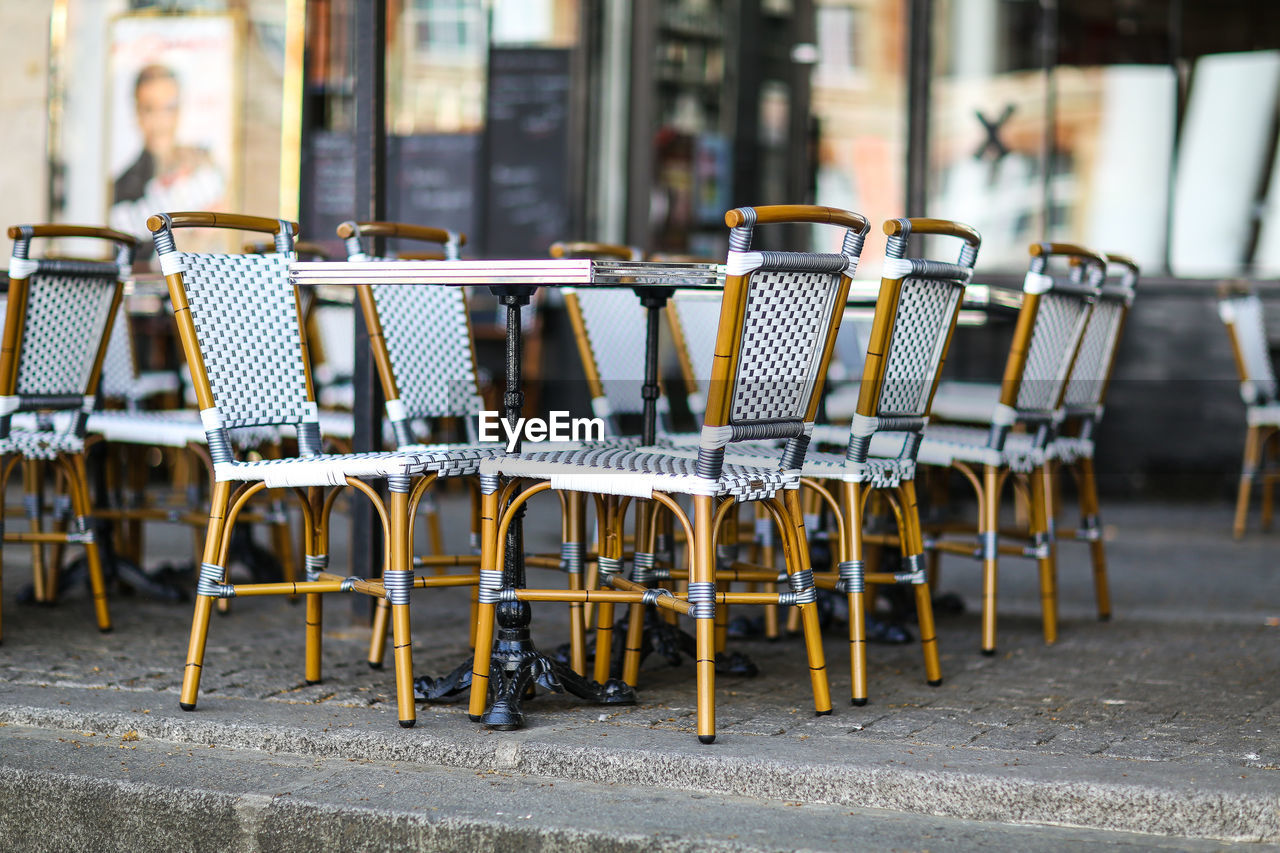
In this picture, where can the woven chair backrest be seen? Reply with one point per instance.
(426, 333)
(57, 318)
(63, 326)
(693, 317)
(1060, 306)
(777, 329)
(611, 325)
(428, 342)
(923, 321)
(1244, 315)
(246, 320)
(1100, 344)
(120, 367)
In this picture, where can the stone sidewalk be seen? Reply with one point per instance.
(1161, 722)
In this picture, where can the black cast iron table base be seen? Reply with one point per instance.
(516, 667)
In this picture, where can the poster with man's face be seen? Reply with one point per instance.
(171, 134)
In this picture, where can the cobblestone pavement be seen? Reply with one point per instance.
(1163, 720)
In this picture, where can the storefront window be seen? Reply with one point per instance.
(860, 103)
(192, 118)
(988, 125)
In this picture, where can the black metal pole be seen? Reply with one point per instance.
(1048, 61)
(919, 74)
(370, 28)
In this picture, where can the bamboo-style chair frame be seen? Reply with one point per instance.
(1083, 403)
(609, 328)
(779, 318)
(240, 322)
(915, 318)
(57, 324)
(1046, 340)
(179, 436)
(1241, 311)
(424, 352)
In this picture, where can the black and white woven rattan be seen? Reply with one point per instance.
(779, 317)
(916, 313)
(240, 323)
(1055, 314)
(58, 315)
(1241, 311)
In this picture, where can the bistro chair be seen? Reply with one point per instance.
(240, 322)
(58, 319)
(692, 317)
(1240, 308)
(130, 431)
(916, 312)
(1073, 445)
(778, 323)
(609, 327)
(1051, 324)
(1082, 409)
(422, 347)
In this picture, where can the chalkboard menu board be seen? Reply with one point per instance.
(527, 182)
(332, 196)
(431, 180)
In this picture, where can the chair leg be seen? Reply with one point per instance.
(490, 586)
(609, 535)
(317, 545)
(702, 596)
(801, 577)
(475, 500)
(378, 633)
(397, 580)
(852, 575)
(646, 537)
(988, 527)
(218, 501)
(573, 527)
(1042, 533)
(31, 499)
(78, 488)
(1249, 466)
(765, 536)
(913, 555)
(1089, 511)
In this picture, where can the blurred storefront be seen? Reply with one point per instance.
(1147, 126)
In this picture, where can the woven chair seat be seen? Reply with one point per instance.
(1268, 415)
(1069, 449)
(40, 444)
(150, 383)
(332, 469)
(169, 428)
(621, 471)
(967, 402)
(944, 445)
(883, 468)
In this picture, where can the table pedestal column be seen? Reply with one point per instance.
(516, 665)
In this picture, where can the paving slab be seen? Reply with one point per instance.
(1161, 722)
